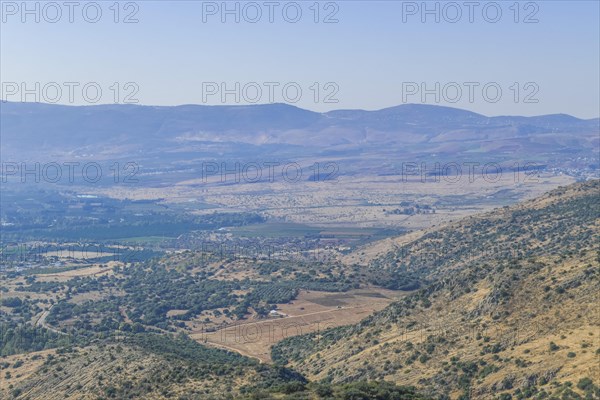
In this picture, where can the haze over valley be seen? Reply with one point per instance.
(299, 200)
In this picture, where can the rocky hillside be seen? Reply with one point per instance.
(507, 307)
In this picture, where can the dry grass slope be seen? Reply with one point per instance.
(511, 308)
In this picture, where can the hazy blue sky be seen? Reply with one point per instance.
(373, 54)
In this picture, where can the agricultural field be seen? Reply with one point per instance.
(310, 312)
(359, 201)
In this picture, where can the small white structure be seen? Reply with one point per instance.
(276, 314)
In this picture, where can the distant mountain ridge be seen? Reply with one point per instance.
(417, 128)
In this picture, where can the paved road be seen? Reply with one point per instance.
(42, 322)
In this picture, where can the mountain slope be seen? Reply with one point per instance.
(160, 367)
(508, 305)
(143, 127)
